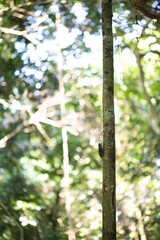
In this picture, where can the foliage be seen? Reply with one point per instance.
(31, 153)
(138, 128)
(32, 167)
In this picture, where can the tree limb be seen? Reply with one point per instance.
(148, 14)
(139, 5)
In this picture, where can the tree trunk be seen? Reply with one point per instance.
(66, 181)
(109, 183)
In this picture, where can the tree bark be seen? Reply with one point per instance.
(109, 182)
(140, 6)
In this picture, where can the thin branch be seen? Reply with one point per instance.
(41, 130)
(31, 39)
(141, 73)
(35, 3)
(35, 118)
(148, 21)
(39, 20)
(155, 52)
(13, 219)
(23, 11)
(19, 15)
(24, 33)
(21, 107)
(25, 5)
(150, 51)
(12, 31)
(4, 140)
(19, 33)
(11, 3)
(4, 103)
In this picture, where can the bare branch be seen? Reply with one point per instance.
(4, 140)
(24, 33)
(19, 15)
(31, 39)
(21, 107)
(35, 3)
(12, 31)
(19, 33)
(23, 11)
(4, 103)
(48, 121)
(41, 130)
(25, 5)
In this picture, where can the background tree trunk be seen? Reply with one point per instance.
(109, 183)
(66, 181)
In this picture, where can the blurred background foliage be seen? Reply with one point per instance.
(41, 43)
